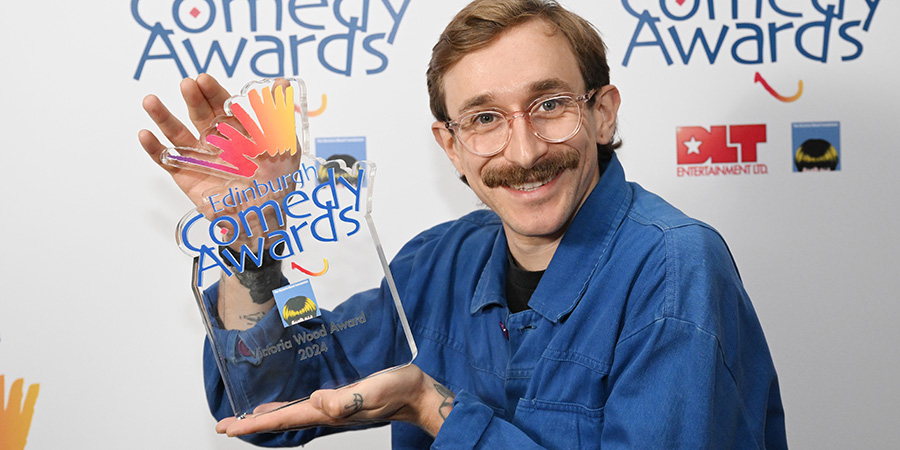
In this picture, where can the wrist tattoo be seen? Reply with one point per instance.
(261, 282)
(356, 405)
(447, 405)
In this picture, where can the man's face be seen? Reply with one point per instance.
(526, 62)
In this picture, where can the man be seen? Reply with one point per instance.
(581, 311)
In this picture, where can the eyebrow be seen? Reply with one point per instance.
(476, 101)
(536, 88)
(550, 84)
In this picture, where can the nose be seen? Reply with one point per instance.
(524, 148)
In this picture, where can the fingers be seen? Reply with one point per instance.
(215, 94)
(151, 145)
(172, 128)
(200, 110)
(205, 99)
(296, 416)
(224, 424)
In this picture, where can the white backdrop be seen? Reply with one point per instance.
(97, 308)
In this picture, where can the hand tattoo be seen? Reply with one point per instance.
(356, 405)
(447, 404)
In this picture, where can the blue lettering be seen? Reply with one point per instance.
(757, 37)
(352, 30)
(213, 203)
(208, 252)
(295, 231)
(872, 4)
(665, 10)
(140, 21)
(367, 46)
(360, 175)
(830, 10)
(215, 49)
(851, 39)
(826, 32)
(398, 16)
(331, 203)
(329, 216)
(158, 31)
(776, 9)
(281, 236)
(350, 38)
(773, 37)
(699, 36)
(258, 210)
(295, 50)
(278, 51)
(214, 225)
(247, 253)
(292, 10)
(288, 206)
(226, 13)
(646, 19)
(353, 20)
(278, 15)
(184, 233)
(344, 218)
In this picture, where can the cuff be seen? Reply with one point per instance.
(466, 423)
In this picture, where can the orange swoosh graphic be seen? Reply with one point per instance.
(759, 79)
(318, 111)
(311, 273)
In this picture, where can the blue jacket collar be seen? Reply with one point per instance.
(576, 259)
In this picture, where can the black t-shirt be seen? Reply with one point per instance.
(520, 284)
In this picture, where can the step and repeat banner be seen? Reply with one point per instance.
(773, 121)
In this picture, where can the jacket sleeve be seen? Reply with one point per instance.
(700, 375)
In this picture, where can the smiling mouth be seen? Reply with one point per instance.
(530, 186)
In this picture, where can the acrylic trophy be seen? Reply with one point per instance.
(274, 214)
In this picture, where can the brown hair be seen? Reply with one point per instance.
(479, 23)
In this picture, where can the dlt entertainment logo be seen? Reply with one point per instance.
(721, 150)
(272, 38)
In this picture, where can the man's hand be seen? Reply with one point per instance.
(205, 99)
(405, 394)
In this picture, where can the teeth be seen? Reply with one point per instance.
(529, 186)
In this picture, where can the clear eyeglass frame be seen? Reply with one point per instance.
(507, 118)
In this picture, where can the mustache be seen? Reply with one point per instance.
(545, 169)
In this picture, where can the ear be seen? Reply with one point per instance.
(606, 110)
(445, 139)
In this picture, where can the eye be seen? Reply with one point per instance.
(484, 118)
(549, 105)
(480, 121)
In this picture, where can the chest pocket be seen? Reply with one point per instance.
(560, 425)
(564, 404)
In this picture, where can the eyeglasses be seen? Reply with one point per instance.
(553, 119)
